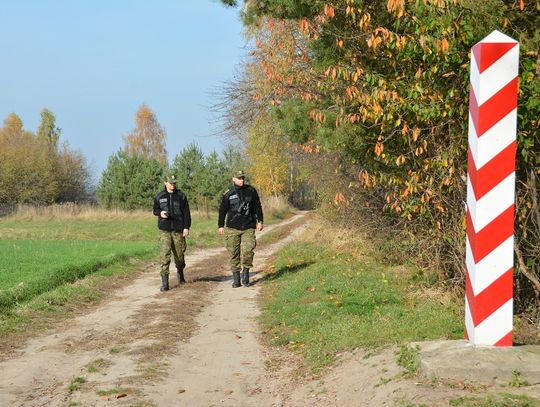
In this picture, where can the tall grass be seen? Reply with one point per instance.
(73, 211)
(276, 207)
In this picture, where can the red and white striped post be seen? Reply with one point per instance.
(490, 190)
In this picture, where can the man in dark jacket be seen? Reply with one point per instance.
(174, 220)
(242, 207)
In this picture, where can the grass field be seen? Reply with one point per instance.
(40, 253)
(31, 267)
(138, 227)
(320, 303)
(43, 248)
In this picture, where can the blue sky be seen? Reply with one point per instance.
(94, 62)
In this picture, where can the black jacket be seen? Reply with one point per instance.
(242, 207)
(176, 204)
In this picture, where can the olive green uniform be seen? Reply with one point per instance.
(171, 242)
(240, 245)
(171, 229)
(241, 208)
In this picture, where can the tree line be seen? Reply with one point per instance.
(38, 168)
(369, 98)
(135, 173)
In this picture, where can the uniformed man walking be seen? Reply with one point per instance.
(242, 207)
(174, 220)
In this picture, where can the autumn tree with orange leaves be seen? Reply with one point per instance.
(147, 139)
(382, 88)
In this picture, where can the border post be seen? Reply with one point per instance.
(491, 190)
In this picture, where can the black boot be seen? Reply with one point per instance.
(164, 282)
(245, 276)
(236, 279)
(180, 275)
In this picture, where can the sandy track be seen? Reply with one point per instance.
(198, 346)
(141, 336)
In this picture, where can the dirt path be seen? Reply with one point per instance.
(198, 345)
(136, 348)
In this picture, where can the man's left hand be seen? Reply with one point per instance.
(185, 233)
(259, 226)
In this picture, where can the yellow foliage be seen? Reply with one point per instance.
(415, 133)
(268, 152)
(379, 148)
(396, 6)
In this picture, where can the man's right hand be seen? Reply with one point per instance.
(164, 214)
(221, 231)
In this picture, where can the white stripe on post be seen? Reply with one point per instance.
(490, 190)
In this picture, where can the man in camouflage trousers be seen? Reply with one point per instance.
(174, 220)
(242, 208)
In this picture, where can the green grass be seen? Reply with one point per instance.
(96, 365)
(407, 358)
(76, 384)
(321, 303)
(110, 392)
(203, 232)
(32, 267)
(499, 400)
(517, 380)
(39, 255)
(35, 312)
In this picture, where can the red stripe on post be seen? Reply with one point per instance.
(492, 298)
(505, 340)
(494, 109)
(490, 237)
(486, 54)
(493, 172)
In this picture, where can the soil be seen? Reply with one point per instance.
(198, 344)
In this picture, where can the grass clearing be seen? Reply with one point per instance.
(319, 301)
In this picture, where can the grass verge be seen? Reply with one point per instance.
(29, 267)
(52, 307)
(320, 301)
(497, 400)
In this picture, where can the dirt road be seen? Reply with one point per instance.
(194, 345)
(199, 345)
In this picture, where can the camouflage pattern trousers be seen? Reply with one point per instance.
(171, 242)
(240, 245)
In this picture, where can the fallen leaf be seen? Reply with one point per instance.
(119, 396)
(180, 391)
